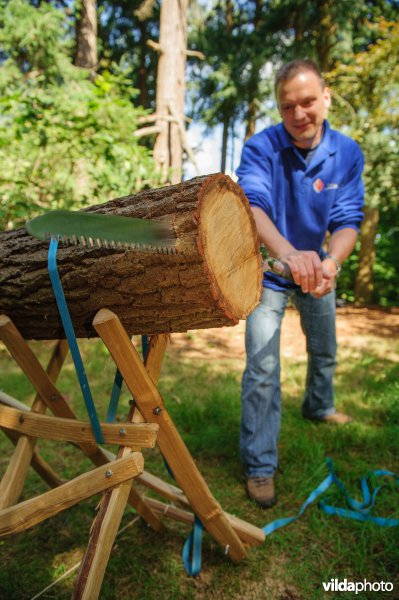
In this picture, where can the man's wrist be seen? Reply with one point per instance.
(338, 265)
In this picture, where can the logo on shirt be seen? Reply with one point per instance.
(332, 186)
(318, 186)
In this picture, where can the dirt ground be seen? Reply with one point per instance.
(355, 327)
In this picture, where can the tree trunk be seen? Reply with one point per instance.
(142, 73)
(213, 279)
(250, 119)
(253, 85)
(86, 35)
(325, 35)
(168, 149)
(225, 137)
(364, 278)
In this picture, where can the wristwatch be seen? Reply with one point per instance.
(337, 264)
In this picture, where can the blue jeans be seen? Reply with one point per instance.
(261, 391)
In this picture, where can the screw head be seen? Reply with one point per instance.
(108, 473)
(122, 431)
(157, 410)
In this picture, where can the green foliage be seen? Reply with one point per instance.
(66, 141)
(122, 37)
(367, 108)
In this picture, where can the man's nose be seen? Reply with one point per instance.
(299, 112)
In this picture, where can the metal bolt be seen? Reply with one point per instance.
(21, 418)
(108, 473)
(157, 410)
(132, 402)
(53, 397)
(122, 431)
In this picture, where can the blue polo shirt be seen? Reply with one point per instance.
(304, 201)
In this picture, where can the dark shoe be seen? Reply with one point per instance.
(337, 418)
(261, 491)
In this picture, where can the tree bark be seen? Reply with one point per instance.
(213, 279)
(364, 278)
(86, 35)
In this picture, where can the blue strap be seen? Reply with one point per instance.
(115, 394)
(360, 510)
(144, 345)
(73, 345)
(192, 549)
(357, 510)
(274, 525)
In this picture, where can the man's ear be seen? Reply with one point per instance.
(327, 97)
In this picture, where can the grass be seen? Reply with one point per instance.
(203, 398)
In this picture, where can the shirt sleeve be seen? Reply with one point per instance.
(255, 174)
(347, 210)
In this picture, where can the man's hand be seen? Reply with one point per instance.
(307, 270)
(327, 285)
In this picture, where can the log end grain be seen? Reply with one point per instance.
(228, 241)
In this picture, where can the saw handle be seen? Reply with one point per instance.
(278, 267)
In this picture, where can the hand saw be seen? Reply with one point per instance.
(103, 231)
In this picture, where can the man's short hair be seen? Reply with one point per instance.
(293, 68)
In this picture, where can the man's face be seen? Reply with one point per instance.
(303, 106)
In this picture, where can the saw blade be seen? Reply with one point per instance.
(103, 231)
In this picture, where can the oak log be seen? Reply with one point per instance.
(213, 280)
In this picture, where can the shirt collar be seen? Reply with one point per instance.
(327, 143)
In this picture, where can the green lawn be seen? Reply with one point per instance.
(203, 397)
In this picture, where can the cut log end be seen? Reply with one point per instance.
(228, 241)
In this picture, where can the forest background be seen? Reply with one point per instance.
(81, 94)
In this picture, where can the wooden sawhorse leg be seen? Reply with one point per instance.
(113, 502)
(13, 480)
(178, 457)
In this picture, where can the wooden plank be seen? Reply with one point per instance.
(167, 490)
(155, 355)
(27, 514)
(13, 479)
(38, 463)
(170, 511)
(102, 535)
(25, 358)
(249, 534)
(140, 435)
(151, 406)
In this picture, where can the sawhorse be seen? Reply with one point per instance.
(148, 416)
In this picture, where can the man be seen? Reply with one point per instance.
(302, 179)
